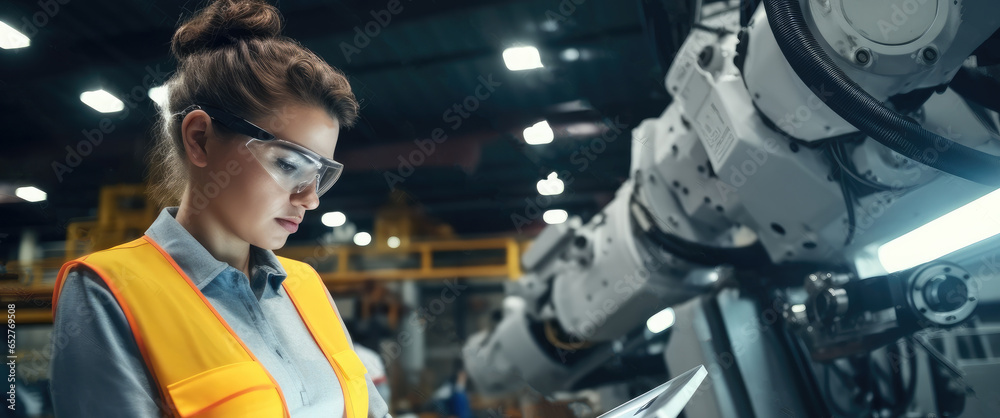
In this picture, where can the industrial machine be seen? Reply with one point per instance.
(778, 222)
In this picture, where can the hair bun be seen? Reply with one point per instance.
(225, 22)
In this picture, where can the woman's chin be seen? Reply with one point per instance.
(275, 243)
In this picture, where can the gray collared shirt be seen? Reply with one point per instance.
(97, 369)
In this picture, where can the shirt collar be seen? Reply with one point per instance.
(195, 260)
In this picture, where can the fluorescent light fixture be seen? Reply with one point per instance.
(555, 216)
(30, 193)
(522, 58)
(571, 54)
(549, 25)
(660, 321)
(362, 239)
(10, 38)
(158, 94)
(393, 242)
(538, 134)
(583, 129)
(958, 229)
(334, 219)
(550, 186)
(102, 101)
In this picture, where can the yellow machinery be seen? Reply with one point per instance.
(124, 214)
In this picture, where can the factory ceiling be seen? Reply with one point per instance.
(599, 76)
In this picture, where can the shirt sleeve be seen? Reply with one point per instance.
(96, 367)
(377, 407)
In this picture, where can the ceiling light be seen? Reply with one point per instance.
(583, 129)
(362, 239)
(333, 219)
(30, 193)
(538, 134)
(158, 94)
(102, 101)
(571, 54)
(393, 242)
(660, 321)
(550, 186)
(522, 58)
(555, 216)
(10, 38)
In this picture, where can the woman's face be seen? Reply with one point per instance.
(249, 201)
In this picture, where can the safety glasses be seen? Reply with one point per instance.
(293, 166)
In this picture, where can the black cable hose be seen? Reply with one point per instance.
(845, 190)
(750, 257)
(900, 134)
(978, 88)
(747, 8)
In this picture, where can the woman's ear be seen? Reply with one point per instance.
(195, 131)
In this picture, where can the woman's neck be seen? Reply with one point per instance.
(219, 242)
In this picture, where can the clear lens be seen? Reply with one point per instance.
(328, 178)
(292, 169)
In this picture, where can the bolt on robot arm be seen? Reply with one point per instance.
(797, 143)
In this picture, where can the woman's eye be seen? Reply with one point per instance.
(284, 166)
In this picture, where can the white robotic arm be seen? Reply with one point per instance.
(756, 173)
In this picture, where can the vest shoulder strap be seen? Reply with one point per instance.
(307, 291)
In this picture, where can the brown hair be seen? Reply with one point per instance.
(231, 55)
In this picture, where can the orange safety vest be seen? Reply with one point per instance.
(200, 365)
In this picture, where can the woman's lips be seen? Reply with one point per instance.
(291, 227)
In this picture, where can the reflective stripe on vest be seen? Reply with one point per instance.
(200, 365)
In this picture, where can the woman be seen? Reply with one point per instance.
(198, 316)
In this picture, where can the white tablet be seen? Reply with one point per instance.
(664, 401)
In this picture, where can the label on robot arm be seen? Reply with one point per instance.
(715, 133)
